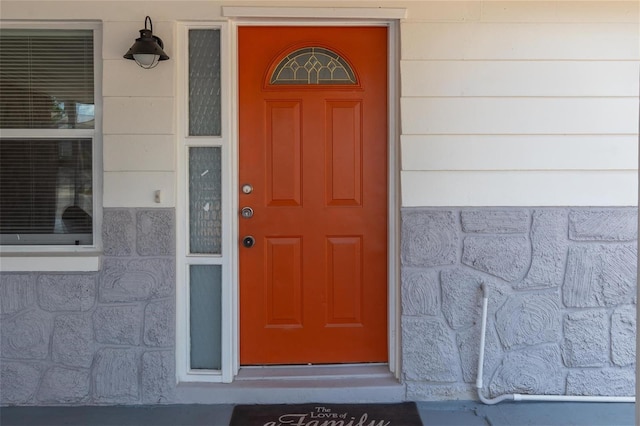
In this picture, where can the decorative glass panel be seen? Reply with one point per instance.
(205, 200)
(205, 314)
(313, 65)
(204, 83)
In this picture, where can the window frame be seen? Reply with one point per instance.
(64, 257)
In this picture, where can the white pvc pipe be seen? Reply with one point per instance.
(526, 397)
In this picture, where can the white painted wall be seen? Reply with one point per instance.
(523, 103)
(139, 119)
(502, 103)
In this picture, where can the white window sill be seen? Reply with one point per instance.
(50, 262)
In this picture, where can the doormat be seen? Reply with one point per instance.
(402, 414)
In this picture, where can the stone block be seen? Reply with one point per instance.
(601, 382)
(549, 250)
(118, 232)
(529, 319)
(17, 293)
(468, 342)
(66, 292)
(506, 257)
(115, 376)
(586, 339)
(155, 232)
(159, 320)
(429, 238)
(600, 275)
(461, 298)
(495, 221)
(619, 224)
(420, 293)
(133, 280)
(64, 386)
(118, 325)
(534, 371)
(429, 352)
(73, 340)
(19, 382)
(623, 336)
(26, 336)
(158, 377)
(619, 275)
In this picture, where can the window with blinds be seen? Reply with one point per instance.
(47, 122)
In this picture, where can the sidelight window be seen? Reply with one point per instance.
(204, 250)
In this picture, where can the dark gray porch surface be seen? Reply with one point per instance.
(433, 413)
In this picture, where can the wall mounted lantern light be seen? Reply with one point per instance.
(147, 50)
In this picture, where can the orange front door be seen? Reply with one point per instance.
(313, 168)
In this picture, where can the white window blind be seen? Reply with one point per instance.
(46, 79)
(46, 177)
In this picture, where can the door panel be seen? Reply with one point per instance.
(313, 288)
(284, 282)
(344, 153)
(284, 147)
(344, 281)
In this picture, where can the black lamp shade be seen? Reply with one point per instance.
(147, 50)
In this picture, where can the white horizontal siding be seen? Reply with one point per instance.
(520, 41)
(75, 10)
(518, 152)
(519, 78)
(434, 11)
(130, 115)
(519, 116)
(520, 11)
(139, 153)
(519, 188)
(137, 189)
(560, 11)
(139, 116)
(444, 10)
(126, 78)
(527, 103)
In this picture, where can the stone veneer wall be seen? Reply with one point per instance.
(561, 316)
(562, 295)
(95, 338)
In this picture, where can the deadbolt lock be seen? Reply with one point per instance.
(248, 241)
(247, 189)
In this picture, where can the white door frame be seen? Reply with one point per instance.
(262, 16)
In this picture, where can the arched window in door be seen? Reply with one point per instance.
(313, 65)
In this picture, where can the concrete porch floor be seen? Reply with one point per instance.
(460, 413)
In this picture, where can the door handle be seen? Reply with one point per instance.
(246, 212)
(248, 241)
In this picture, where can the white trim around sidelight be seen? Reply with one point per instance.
(184, 259)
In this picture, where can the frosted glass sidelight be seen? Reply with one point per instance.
(205, 200)
(204, 83)
(205, 317)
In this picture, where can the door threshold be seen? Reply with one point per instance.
(313, 372)
(299, 384)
